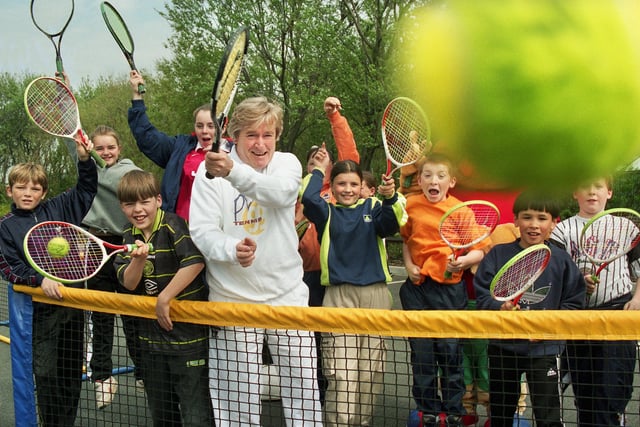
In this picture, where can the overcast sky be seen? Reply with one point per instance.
(88, 49)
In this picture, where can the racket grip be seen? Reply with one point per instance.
(141, 88)
(99, 160)
(131, 247)
(447, 274)
(60, 67)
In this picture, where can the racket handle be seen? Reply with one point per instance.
(447, 274)
(389, 167)
(99, 160)
(141, 88)
(131, 247)
(60, 67)
(215, 147)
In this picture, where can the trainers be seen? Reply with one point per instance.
(105, 390)
(430, 420)
(454, 421)
(140, 386)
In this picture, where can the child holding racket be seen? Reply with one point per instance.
(57, 356)
(426, 258)
(179, 155)
(309, 247)
(601, 371)
(535, 217)
(174, 355)
(355, 274)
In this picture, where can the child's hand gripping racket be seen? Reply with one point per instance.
(467, 224)
(53, 108)
(406, 134)
(121, 34)
(67, 253)
(608, 236)
(519, 274)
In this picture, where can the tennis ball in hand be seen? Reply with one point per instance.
(526, 93)
(58, 247)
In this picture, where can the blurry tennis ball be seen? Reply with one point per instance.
(527, 93)
(58, 247)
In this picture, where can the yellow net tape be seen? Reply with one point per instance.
(597, 325)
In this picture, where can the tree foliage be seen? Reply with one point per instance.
(300, 53)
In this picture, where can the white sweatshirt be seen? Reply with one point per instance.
(255, 204)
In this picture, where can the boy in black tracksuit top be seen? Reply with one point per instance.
(508, 359)
(174, 355)
(58, 331)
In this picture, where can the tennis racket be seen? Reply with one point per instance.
(406, 134)
(53, 108)
(81, 258)
(608, 236)
(519, 274)
(467, 224)
(121, 34)
(226, 84)
(52, 19)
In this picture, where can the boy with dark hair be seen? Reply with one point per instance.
(58, 331)
(174, 355)
(535, 217)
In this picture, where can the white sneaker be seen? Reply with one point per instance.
(140, 386)
(105, 390)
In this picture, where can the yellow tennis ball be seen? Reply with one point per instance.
(58, 247)
(528, 93)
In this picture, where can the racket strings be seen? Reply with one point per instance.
(610, 237)
(231, 73)
(520, 275)
(52, 107)
(469, 225)
(83, 259)
(118, 28)
(407, 133)
(51, 20)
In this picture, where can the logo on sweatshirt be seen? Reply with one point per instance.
(248, 214)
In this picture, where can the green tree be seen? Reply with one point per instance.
(300, 53)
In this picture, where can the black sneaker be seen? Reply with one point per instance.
(454, 421)
(429, 420)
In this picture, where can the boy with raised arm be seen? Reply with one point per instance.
(57, 356)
